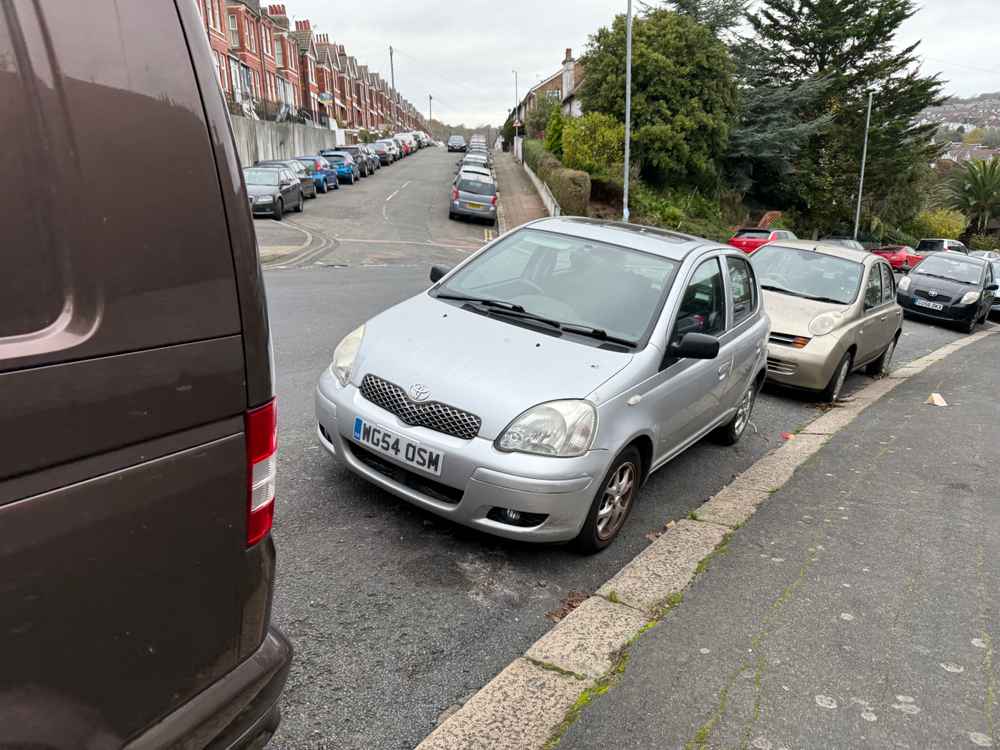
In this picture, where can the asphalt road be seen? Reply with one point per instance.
(397, 615)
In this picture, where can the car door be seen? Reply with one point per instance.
(743, 336)
(688, 395)
(892, 316)
(989, 295)
(871, 329)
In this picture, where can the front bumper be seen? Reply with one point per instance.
(263, 209)
(475, 478)
(950, 313)
(810, 367)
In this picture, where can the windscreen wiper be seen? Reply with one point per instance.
(485, 301)
(580, 330)
(782, 290)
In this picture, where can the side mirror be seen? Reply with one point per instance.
(439, 272)
(992, 287)
(695, 346)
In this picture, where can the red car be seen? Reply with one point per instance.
(749, 239)
(900, 257)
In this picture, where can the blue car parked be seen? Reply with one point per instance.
(324, 175)
(347, 168)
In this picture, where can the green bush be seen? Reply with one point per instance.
(941, 222)
(984, 242)
(570, 188)
(553, 134)
(533, 152)
(594, 143)
(688, 212)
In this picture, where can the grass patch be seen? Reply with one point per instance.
(599, 688)
(705, 562)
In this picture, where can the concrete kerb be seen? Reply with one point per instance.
(529, 704)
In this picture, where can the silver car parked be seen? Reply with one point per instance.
(531, 391)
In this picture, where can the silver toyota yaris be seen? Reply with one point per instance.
(531, 390)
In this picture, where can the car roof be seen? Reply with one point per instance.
(476, 171)
(476, 176)
(839, 251)
(653, 240)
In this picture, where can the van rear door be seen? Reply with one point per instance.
(125, 575)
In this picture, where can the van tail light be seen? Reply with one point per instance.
(493, 200)
(262, 458)
(454, 193)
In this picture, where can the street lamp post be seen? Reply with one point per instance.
(864, 159)
(628, 107)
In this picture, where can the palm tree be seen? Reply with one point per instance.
(976, 192)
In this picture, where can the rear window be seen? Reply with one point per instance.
(930, 246)
(476, 187)
(756, 234)
(336, 158)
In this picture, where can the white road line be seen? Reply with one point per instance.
(411, 242)
(392, 195)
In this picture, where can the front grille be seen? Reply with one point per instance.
(410, 479)
(781, 367)
(430, 414)
(941, 299)
(785, 339)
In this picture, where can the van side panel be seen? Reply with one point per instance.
(118, 597)
(246, 259)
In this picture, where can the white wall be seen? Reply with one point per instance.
(257, 140)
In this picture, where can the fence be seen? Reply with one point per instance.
(257, 140)
(265, 109)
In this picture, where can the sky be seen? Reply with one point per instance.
(464, 54)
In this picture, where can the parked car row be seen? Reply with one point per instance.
(583, 356)
(276, 186)
(474, 192)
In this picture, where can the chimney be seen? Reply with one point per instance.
(568, 74)
(302, 25)
(569, 55)
(277, 13)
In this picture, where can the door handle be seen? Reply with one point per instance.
(724, 370)
(884, 317)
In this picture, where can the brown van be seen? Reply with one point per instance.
(137, 416)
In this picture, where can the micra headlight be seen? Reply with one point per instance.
(824, 323)
(345, 354)
(556, 428)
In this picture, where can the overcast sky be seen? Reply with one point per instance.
(463, 54)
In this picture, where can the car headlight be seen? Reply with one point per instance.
(555, 428)
(904, 284)
(265, 199)
(824, 323)
(969, 297)
(345, 354)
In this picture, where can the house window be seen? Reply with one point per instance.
(251, 36)
(213, 14)
(218, 69)
(279, 52)
(234, 32)
(256, 84)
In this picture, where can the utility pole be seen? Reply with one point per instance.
(392, 69)
(864, 159)
(430, 109)
(628, 106)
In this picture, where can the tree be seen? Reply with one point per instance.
(717, 15)
(554, 134)
(683, 95)
(852, 44)
(974, 136)
(539, 115)
(976, 192)
(940, 222)
(594, 143)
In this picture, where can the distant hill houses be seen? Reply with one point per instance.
(982, 111)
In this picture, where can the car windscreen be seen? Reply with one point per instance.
(930, 246)
(270, 177)
(570, 280)
(808, 274)
(476, 187)
(958, 268)
(761, 234)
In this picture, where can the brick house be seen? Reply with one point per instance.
(309, 84)
(328, 62)
(286, 59)
(246, 67)
(213, 16)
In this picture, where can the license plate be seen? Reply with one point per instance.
(398, 447)
(929, 305)
(475, 205)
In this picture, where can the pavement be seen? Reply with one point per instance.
(519, 201)
(398, 617)
(857, 608)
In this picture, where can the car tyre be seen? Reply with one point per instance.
(836, 385)
(971, 325)
(612, 504)
(302, 204)
(880, 367)
(279, 210)
(731, 432)
(323, 186)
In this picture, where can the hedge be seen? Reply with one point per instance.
(570, 187)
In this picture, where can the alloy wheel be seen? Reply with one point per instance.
(617, 500)
(841, 379)
(887, 357)
(744, 410)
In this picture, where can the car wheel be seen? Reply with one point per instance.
(971, 325)
(323, 186)
(302, 204)
(451, 215)
(731, 432)
(832, 391)
(880, 367)
(612, 504)
(279, 210)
